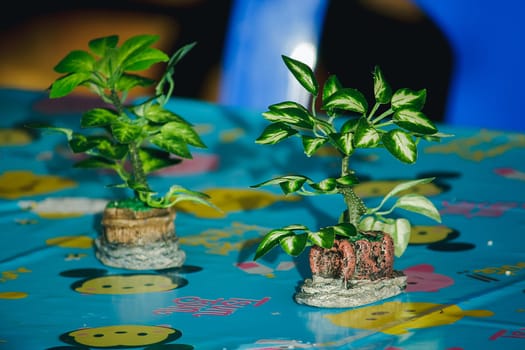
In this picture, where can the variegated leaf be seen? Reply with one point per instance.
(303, 73)
(275, 133)
(418, 204)
(400, 145)
(324, 238)
(366, 135)
(294, 244)
(346, 99)
(415, 121)
(312, 144)
(382, 89)
(407, 98)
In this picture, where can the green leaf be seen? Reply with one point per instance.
(133, 49)
(182, 132)
(418, 204)
(324, 126)
(99, 46)
(111, 150)
(347, 180)
(157, 114)
(350, 125)
(326, 185)
(382, 89)
(77, 61)
(125, 132)
(269, 241)
(331, 85)
(345, 229)
(177, 147)
(303, 73)
(108, 67)
(65, 85)
(95, 162)
(48, 127)
(366, 135)
(144, 59)
(295, 244)
(291, 115)
(288, 183)
(178, 193)
(179, 55)
(436, 137)
(275, 133)
(409, 184)
(410, 99)
(81, 144)
(312, 144)
(400, 145)
(295, 227)
(324, 238)
(98, 117)
(415, 121)
(286, 105)
(400, 235)
(154, 159)
(346, 99)
(343, 142)
(127, 82)
(370, 223)
(292, 185)
(400, 188)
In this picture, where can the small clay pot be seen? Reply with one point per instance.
(139, 239)
(128, 226)
(352, 273)
(363, 259)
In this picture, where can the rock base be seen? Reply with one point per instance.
(148, 256)
(332, 293)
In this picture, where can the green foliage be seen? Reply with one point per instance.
(395, 122)
(134, 139)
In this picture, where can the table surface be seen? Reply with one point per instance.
(465, 289)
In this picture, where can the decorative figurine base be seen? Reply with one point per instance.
(331, 292)
(139, 239)
(150, 256)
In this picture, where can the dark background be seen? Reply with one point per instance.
(357, 35)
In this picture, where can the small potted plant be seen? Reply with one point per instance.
(133, 140)
(351, 260)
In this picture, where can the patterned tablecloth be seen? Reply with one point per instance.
(466, 287)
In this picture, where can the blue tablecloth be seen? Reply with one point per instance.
(465, 290)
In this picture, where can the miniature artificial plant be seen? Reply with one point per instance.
(395, 122)
(136, 138)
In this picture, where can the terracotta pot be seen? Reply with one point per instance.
(352, 273)
(139, 239)
(362, 259)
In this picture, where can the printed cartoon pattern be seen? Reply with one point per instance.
(400, 318)
(465, 276)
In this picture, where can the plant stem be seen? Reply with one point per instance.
(355, 205)
(137, 171)
(139, 177)
(383, 115)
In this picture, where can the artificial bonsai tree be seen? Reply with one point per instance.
(135, 139)
(351, 260)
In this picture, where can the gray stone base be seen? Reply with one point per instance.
(331, 293)
(149, 256)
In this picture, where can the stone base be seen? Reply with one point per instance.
(331, 293)
(148, 256)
